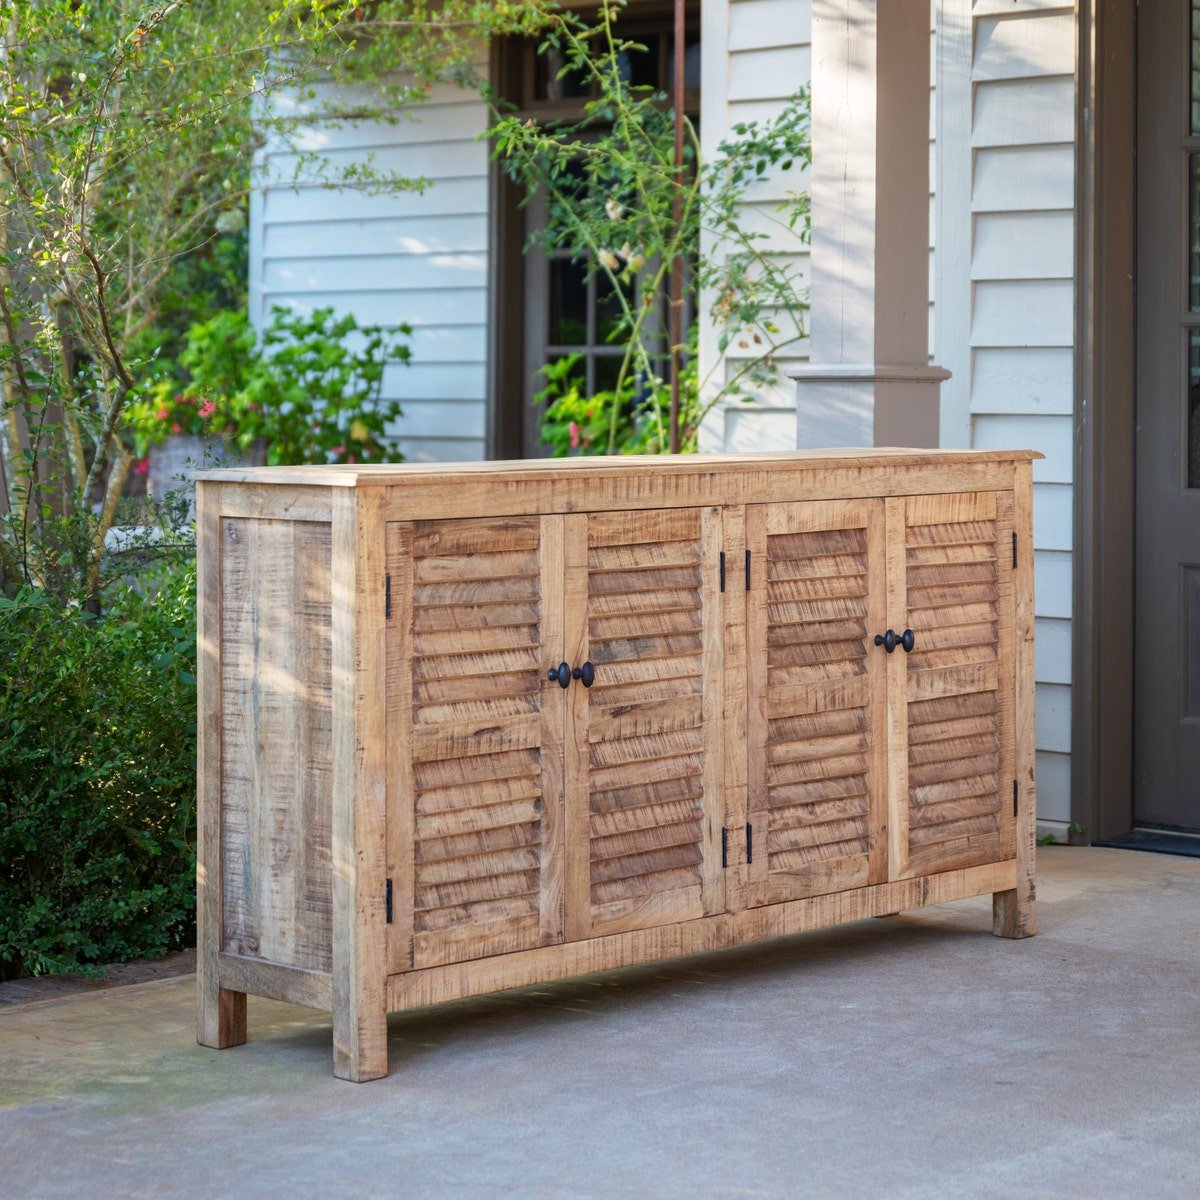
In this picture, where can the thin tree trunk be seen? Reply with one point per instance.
(118, 473)
(675, 297)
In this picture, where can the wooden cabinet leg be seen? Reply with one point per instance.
(360, 1050)
(1013, 913)
(222, 1016)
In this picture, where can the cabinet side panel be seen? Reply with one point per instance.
(276, 780)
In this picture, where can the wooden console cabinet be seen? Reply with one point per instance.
(465, 728)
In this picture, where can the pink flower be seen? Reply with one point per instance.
(337, 451)
(574, 431)
(142, 466)
(176, 427)
(207, 409)
(351, 459)
(163, 414)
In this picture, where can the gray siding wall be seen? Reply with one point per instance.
(757, 53)
(1001, 272)
(1015, 383)
(414, 257)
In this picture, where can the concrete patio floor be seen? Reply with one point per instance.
(912, 1056)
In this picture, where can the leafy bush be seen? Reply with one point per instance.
(618, 202)
(311, 392)
(631, 420)
(97, 776)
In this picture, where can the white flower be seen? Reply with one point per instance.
(231, 220)
(613, 209)
(609, 260)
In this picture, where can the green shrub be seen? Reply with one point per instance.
(310, 390)
(97, 776)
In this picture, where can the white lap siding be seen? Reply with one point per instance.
(1002, 273)
(756, 54)
(1002, 290)
(419, 258)
(1022, 315)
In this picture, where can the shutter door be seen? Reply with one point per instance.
(475, 735)
(816, 728)
(644, 795)
(950, 560)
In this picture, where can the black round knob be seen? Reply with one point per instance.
(887, 640)
(561, 673)
(585, 674)
(907, 640)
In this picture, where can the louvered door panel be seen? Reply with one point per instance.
(950, 560)
(475, 738)
(644, 799)
(816, 728)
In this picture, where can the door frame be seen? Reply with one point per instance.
(1102, 658)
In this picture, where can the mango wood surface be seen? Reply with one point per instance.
(951, 583)
(398, 806)
(816, 793)
(221, 1010)
(293, 985)
(417, 988)
(359, 801)
(275, 674)
(935, 464)
(476, 734)
(645, 799)
(1013, 911)
(599, 484)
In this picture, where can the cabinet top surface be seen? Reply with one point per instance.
(385, 474)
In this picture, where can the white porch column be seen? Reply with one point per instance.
(868, 381)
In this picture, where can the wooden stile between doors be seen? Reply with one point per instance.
(609, 733)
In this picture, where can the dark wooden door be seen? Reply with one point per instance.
(1167, 584)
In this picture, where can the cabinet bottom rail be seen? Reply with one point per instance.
(564, 960)
(239, 975)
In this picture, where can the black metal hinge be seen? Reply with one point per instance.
(722, 570)
(749, 843)
(1014, 797)
(747, 570)
(724, 847)
(387, 901)
(387, 597)
(1014, 549)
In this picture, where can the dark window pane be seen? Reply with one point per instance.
(1193, 409)
(608, 309)
(568, 303)
(691, 64)
(1195, 67)
(608, 367)
(639, 68)
(1194, 232)
(555, 84)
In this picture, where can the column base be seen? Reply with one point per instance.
(848, 404)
